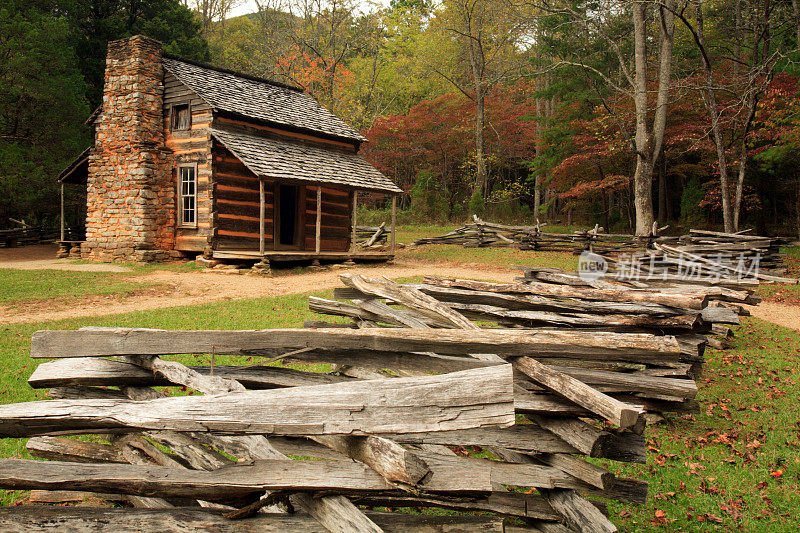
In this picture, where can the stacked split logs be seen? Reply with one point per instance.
(422, 413)
(710, 256)
(369, 236)
(482, 234)
(579, 314)
(728, 254)
(701, 312)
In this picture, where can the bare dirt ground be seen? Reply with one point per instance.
(782, 314)
(43, 256)
(176, 289)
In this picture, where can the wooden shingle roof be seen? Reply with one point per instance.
(276, 158)
(259, 99)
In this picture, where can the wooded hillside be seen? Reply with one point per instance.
(618, 113)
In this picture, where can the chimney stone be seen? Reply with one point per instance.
(130, 156)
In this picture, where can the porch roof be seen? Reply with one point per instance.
(276, 158)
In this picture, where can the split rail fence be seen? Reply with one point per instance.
(726, 253)
(426, 408)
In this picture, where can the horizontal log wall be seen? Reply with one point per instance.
(191, 146)
(336, 211)
(237, 204)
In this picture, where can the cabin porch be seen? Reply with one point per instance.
(288, 256)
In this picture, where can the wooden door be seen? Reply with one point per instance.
(288, 229)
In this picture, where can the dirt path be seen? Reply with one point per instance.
(782, 314)
(191, 288)
(43, 256)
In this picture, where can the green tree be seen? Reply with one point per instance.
(95, 22)
(42, 109)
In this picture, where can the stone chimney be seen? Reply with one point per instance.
(130, 194)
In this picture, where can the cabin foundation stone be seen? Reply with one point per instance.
(130, 194)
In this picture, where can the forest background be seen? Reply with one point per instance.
(614, 112)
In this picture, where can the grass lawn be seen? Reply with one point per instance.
(782, 293)
(502, 257)
(736, 464)
(497, 257)
(20, 286)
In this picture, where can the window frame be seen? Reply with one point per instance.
(173, 121)
(181, 196)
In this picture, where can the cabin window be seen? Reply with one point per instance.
(181, 117)
(187, 205)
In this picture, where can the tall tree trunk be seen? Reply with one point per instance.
(537, 182)
(480, 170)
(662, 190)
(761, 26)
(648, 140)
(643, 176)
(710, 99)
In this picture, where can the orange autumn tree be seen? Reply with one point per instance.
(327, 81)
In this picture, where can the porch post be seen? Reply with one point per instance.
(62, 211)
(354, 221)
(394, 223)
(318, 236)
(261, 221)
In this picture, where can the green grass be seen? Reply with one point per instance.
(20, 286)
(497, 257)
(411, 232)
(781, 292)
(146, 268)
(736, 464)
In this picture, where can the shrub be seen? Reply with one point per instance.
(429, 198)
(476, 205)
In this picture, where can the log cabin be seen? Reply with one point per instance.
(193, 159)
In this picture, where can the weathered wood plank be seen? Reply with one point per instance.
(336, 513)
(460, 400)
(62, 449)
(94, 371)
(410, 297)
(688, 301)
(616, 412)
(505, 342)
(45, 519)
(236, 481)
(531, 438)
(587, 439)
(636, 381)
(577, 467)
(387, 458)
(580, 513)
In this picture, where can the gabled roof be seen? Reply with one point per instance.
(259, 99)
(275, 158)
